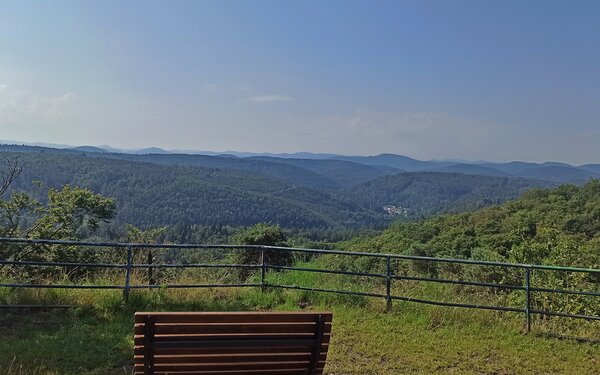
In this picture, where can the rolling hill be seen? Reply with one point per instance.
(427, 193)
(343, 173)
(472, 169)
(164, 189)
(548, 226)
(151, 195)
(558, 173)
(331, 173)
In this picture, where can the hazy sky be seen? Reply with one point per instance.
(496, 80)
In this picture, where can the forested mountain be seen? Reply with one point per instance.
(427, 193)
(473, 169)
(341, 171)
(321, 174)
(594, 168)
(167, 189)
(558, 174)
(344, 173)
(330, 171)
(149, 195)
(88, 149)
(558, 226)
(295, 175)
(395, 161)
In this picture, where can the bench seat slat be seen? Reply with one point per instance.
(237, 372)
(271, 339)
(206, 328)
(232, 366)
(139, 350)
(214, 358)
(245, 317)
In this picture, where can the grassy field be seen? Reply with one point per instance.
(96, 338)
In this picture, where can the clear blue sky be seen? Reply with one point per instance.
(495, 80)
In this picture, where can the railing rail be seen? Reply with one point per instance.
(388, 277)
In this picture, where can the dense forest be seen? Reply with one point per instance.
(429, 193)
(156, 195)
(545, 226)
(184, 191)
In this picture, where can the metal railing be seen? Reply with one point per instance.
(388, 276)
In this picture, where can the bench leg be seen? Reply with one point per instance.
(316, 352)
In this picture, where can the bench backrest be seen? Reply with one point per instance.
(281, 343)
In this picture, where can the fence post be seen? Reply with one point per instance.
(128, 273)
(528, 297)
(263, 269)
(388, 284)
(150, 268)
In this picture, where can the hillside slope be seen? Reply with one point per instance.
(546, 226)
(293, 174)
(427, 193)
(344, 173)
(159, 189)
(150, 194)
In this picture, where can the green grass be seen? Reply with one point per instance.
(96, 338)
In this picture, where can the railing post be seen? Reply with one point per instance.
(128, 273)
(528, 297)
(150, 268)
(388, 284)
(263, 269)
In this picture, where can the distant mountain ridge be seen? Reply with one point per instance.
(357, 169)
(88, 149)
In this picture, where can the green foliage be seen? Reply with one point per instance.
(260, 234)
(70, 213)
(155, 195)
(538, 228)
(553, 227)
(71, 209)
(138, 235)
(429, 193)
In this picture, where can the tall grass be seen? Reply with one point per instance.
(108, 302)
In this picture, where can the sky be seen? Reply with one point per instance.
(476, 80)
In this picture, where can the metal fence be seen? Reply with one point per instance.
(263, 267)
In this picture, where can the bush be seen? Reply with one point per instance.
(261, 234)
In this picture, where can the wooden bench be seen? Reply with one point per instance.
(212, 343)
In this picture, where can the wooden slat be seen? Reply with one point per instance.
(294, 357)
(139, 339)
(244, 362)
(217, 328)
(237, 372)
(222, 372)
(139, 350)
(236, 317)
(231, 358)
(175, 367)
(227, 366)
